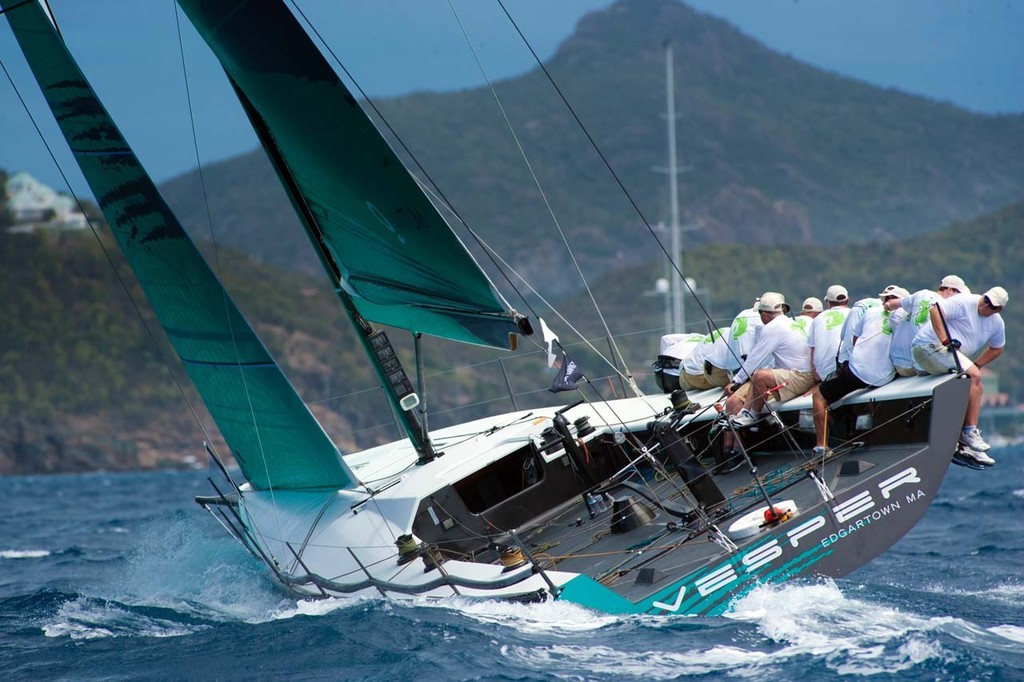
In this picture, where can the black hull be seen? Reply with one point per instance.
(881, 492)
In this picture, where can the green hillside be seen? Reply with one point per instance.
(85, 387)
(779, 152)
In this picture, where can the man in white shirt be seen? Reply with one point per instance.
(778, 366)
(694, 374)
(857, 311)
(674, 349)
(963, 326)
(823, 337)
(869, 363)
(917, 306)
(723, 359)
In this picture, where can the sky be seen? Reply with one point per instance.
(966, 52)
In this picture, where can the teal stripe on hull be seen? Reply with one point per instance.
(275, 438)
(683, 597)
(381, 239)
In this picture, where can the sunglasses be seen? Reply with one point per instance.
(949, 289)
(988, 302)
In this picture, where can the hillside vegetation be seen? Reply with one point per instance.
(85, 387)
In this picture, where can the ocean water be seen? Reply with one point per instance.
(122, 576)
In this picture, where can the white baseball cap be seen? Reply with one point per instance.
(772, 302)
(837, 294)
(997, 296)
(954, 282)
(898, 292)
(813, 305)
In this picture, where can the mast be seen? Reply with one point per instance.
(675, 240)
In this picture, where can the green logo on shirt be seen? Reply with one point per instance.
(741, 328)
(886, 323)
(922, 313)
(833, 320)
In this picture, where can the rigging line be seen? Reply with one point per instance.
(493, 254)
(216, 256)
(110, 261)
(398, 138)
(604, 159)
(543, 194)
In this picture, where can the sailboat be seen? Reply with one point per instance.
(616, 505)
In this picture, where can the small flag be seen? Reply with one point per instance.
(549, 338)
(568, 374)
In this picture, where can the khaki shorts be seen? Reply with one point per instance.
(906, 371)
(718, 378)
(938, 360)
(743, 393)
(696, 381)
(797, 383)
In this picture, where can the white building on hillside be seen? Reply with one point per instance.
(31, 203)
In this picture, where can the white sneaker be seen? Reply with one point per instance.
(744, 418)
(979, 457)
(973, 440)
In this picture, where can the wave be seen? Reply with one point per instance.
(1009, 593)
(24, 553)
(553, 618)
(85, 618)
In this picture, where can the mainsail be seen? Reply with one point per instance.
(383, 243)
(273, 436)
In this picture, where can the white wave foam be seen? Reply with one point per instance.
(86, 618)
(847, 635)
(1013, 633)
(176, 565)
(318, 607)
(1011, 593)
(582, 661)
(23, 553)
(547, 617)
(853, 636)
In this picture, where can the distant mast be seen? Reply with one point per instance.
(675, 240)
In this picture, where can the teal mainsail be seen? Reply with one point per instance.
(272, 434)
(383, 243)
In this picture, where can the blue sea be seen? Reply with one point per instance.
(123, 577)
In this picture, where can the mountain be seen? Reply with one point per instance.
(778, 152)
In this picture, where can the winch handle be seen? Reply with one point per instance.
(954, 349)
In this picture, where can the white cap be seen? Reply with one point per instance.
(813, 305)
(954, 282)
(888, 291)
(773, 302)
(997, 296)
(837, 294)
(898, 292)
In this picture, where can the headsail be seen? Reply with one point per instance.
(271, 432)
(382, 241)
